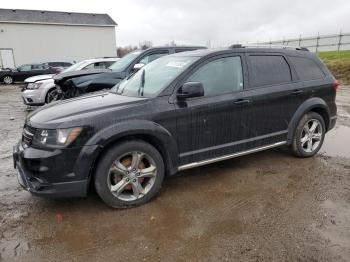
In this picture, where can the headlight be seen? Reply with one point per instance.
(34, 85)
(56, 137)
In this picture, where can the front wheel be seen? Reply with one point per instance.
(52, 96)
(129, 174)
(309, 135)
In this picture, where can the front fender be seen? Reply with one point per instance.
(305, 107)
(158, 133)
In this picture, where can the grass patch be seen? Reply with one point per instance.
(338, 63)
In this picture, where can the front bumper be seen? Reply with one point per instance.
(52, 173)
(34, 97)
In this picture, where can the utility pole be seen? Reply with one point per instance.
(339, 42)
(317, 41)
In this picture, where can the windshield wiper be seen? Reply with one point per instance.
(142, 83)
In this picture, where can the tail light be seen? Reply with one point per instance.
(335, 85)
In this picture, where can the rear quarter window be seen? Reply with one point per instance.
(269, 70)
(306, 68)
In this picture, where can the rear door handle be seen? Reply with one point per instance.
(297, 91)
(241, 101)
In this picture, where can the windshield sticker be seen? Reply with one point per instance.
(177, 64)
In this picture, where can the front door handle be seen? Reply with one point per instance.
(241, 102)
(297, 92)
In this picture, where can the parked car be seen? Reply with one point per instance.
(60, 66)
(40, 90)
(81, 82)
(178, 112)
(9, 76)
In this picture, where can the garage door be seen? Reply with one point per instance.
(6, 58)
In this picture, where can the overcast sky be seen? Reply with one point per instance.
(200, 21)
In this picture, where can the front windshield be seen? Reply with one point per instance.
(152, 78)
(123, 62)
(74, 67)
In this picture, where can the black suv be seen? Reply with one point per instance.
(76, 83)
(178, 112)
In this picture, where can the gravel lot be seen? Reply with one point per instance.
(269, 206)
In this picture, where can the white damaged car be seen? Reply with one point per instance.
(40, 90)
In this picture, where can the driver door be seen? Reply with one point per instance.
(209, 126)
(23, 72)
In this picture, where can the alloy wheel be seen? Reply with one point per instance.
(52, 96)
(132, 176)
(8, 80)
(311, 135)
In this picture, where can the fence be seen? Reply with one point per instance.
(335, 42)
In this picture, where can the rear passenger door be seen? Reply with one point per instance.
(273, 93)
(312, 77)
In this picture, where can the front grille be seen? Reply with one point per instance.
(27, 135)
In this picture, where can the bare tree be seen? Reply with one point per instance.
(145, 44)
(122, 51)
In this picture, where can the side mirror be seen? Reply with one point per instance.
(19, 69)
(137, 67)
(190, 89)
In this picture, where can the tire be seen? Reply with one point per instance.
(51, 96)
(304, 135)
(8, 80)
(116, 180)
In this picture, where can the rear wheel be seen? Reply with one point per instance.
(8, 80)
(129, 174)
(309, 135)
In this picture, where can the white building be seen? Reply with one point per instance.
(32, 36)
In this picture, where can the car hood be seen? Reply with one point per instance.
(78, 111)
(34, 79)
(60, 78)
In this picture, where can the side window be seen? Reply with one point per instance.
(306, 68)
(109, 63)
(152, 57)
(99, 65)
(96, 65)
(269, 70)
(220, 76)
(89, 66)
(37, 67)
(25, 67)
(55, 64)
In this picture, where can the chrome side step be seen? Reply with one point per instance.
(217, 159)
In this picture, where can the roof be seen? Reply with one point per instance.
(53, 17)
(228, 50)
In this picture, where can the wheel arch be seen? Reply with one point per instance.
(5, 75)
(147, 131)
(47, 92)
(314, 104)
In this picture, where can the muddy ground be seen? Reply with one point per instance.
(269, 206)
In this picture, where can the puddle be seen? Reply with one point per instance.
(337, 142)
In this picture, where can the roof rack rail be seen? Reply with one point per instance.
(270, 46)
